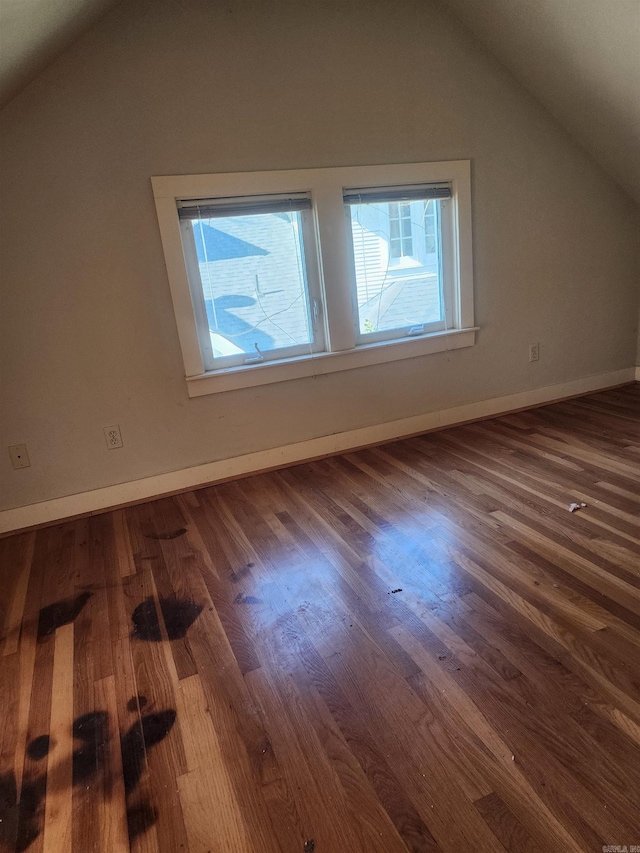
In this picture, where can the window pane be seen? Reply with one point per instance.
(253, 278)
(398, 279)
(430, 227)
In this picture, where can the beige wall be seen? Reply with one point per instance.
(88, 336)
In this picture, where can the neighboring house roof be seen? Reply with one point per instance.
(250, 271)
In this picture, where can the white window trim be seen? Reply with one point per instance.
(326, 187)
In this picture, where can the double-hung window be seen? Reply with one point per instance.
(254, 278)
(279, 275)
(401, 288)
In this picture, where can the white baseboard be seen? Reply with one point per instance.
(99, 500)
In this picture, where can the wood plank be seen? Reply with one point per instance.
(112, 810)
(124, 553)
(11, 631)
(212, 814)
(59, 805)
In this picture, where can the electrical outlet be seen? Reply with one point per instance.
(19, 456)
(534, 352)
(113, 436)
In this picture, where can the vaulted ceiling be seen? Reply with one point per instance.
(579, 58)
(35, 32)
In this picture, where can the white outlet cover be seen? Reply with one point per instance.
(19, 456)
(113, 437)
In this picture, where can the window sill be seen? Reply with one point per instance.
(247, 376)
(406, 263)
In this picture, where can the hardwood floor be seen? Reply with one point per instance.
(413, 647)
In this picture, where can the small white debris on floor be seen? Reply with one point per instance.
(575, 506)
